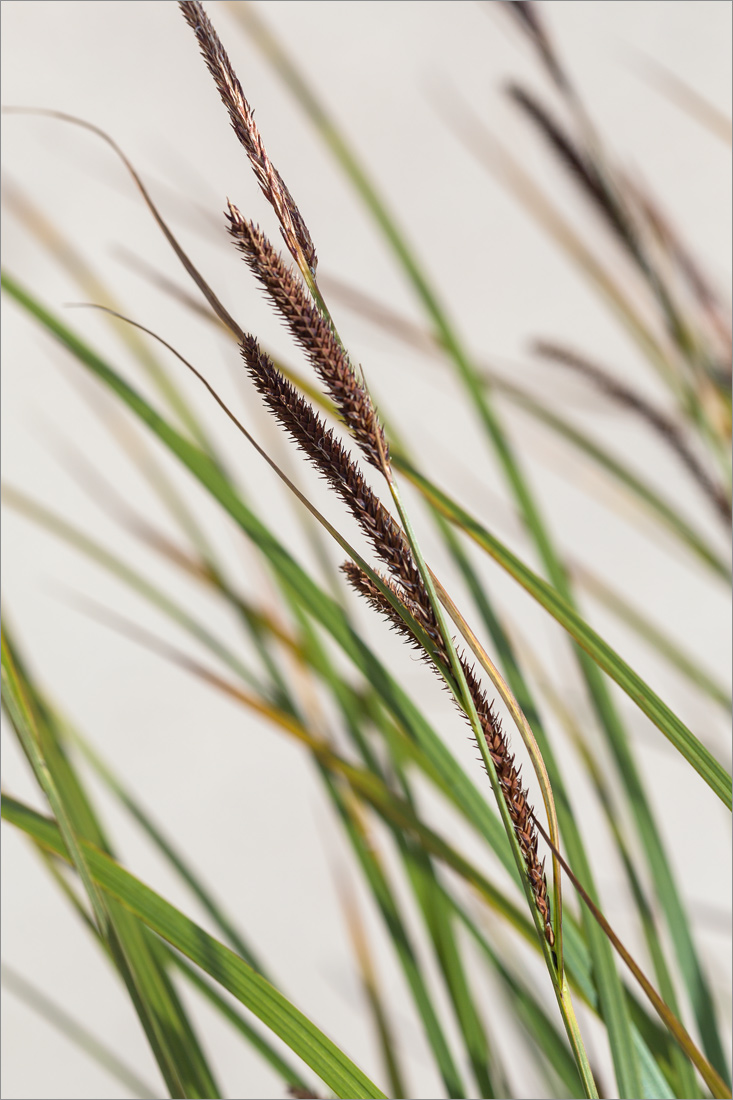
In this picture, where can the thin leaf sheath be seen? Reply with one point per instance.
(294, 230)
(514, 793)
(313, 333)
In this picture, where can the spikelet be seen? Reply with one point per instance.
(331, 459)
(312, 332)
(515, 795)
(292, 226)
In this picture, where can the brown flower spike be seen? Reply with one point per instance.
(515, 795)
(294, 230)
(315, 335)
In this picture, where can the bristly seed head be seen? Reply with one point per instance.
(292, 226)
(515, 796)
(329, 456)
(313, 333)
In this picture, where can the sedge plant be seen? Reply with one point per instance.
(469, 884)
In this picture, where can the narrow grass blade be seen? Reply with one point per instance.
(171, 1036)
(237, 1020)
(676, 655)
(602, 654)
(216, 960)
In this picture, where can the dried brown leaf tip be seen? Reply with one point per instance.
(578, 164)
(668, 428)
(312, 332)
(515, 795)
(527, 14)
(292, 226)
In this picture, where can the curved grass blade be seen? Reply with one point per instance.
(678, 657)
(71, 260)
(171, 1036)
(712, 1079)
(602, 654)
(224, 316)
(237, 1020)
(655, 506)
(216, 960)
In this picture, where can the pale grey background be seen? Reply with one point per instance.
(241, 800)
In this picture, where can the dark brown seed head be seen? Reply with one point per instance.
(313, 333)
(292, 226)
(331, 459)
(515, 795)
